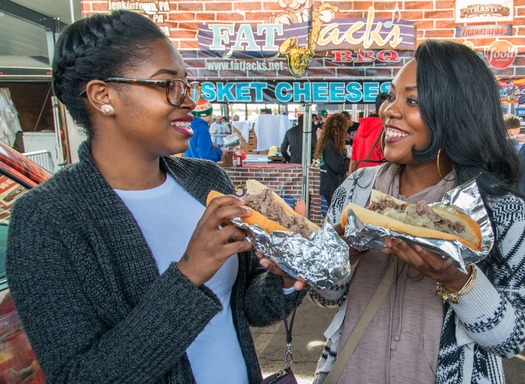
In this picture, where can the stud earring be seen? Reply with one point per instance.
(107, 110)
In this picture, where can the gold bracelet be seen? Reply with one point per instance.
(452, 297)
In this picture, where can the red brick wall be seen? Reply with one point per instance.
(289, 179)
(432, 19)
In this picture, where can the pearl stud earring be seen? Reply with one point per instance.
(107, 109)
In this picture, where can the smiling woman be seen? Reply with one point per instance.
(443, 127)
(118, 270)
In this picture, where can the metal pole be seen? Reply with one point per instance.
(307, 155)
(58, 129)
(72, 10)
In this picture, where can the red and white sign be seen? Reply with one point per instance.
(501, 54)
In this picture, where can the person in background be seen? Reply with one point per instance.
(352, 127)
(201, 146)
(366, 149)
(513, 124)
(316, 124)
(350, 133)
(324, 115)
(331, 152)
(436, 324)
(218, 129)
(118, 270)
(315, 120)
(292, 145)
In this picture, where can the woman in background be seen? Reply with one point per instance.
(331, 152)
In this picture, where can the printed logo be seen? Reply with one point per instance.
(501, 54)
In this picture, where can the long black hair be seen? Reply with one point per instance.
(100, 46)
(460, 104)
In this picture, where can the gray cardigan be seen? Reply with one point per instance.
(89, 294)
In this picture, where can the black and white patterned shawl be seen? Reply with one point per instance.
(504, 269)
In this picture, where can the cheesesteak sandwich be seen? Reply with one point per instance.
(418, 220)
(270, 211)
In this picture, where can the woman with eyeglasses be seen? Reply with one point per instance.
(118, 270)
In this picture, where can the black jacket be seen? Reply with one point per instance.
(333, 169)
(293, 142)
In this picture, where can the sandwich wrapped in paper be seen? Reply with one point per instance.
(458, 227)
(299, 247)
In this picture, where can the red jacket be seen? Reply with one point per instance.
(365, 137)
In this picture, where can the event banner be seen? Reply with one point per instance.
(299, 42)
(512, 91)
(293, 91)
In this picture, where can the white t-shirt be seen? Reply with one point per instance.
(167, 216)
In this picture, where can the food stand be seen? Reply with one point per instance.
(285, 179)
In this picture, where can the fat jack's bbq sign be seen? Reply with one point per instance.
(371, 38)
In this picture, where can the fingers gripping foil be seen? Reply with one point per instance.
(321, 261)
(465, 198)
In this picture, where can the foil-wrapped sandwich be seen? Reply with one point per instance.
(457, 227)
(301, 248)
(232, 140)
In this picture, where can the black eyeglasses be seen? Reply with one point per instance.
(176, 89)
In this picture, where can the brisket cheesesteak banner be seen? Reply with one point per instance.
(293, 91)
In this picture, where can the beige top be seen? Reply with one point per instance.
(402, 342)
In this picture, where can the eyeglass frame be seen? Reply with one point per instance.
(158, 83)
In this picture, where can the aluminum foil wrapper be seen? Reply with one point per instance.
(321, 261)
(465, 197)
(231, 141)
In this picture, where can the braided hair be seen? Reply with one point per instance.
(97, 47)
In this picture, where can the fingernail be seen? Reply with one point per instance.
(418, 248)
(264, 263)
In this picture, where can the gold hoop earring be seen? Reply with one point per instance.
(439, 170)
(107, 110)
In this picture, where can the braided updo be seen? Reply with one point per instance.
(97, 47)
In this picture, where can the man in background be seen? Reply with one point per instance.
(350, 132)
(367, 140)
(352, 125)
(513, 125)
(218, 130)
(292, 145)
(201, 145)
(323, 115)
